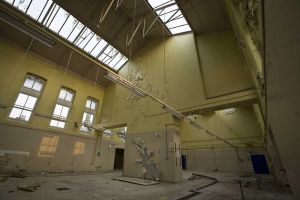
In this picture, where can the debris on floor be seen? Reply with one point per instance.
(62, 188)
(191, 194)
(18, 175)
(195, 191)
(136, 181)
(198, 176)
(29, 188)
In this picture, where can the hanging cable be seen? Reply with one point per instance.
(165, 73)
(69, 60)
(97, 75)
(130, 47)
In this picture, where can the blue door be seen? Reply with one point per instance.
(183, 162)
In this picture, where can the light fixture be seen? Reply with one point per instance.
(173, 112)
(27, 29)
(119, 80)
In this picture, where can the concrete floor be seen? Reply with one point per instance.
(102, 187)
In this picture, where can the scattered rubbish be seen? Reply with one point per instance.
(29, 188)
(62, 188)
(17, 175)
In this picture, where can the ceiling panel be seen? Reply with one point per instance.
(206, 16)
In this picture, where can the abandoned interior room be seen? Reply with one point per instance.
(149, 99)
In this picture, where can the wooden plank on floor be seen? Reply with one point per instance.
(136, 181)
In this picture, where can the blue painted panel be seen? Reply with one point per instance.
(260, 164)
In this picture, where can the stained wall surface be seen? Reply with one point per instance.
(282, 47)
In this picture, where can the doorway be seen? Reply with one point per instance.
(119, 158)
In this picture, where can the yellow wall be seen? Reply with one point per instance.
(241, 128)
(177, 79)
(14, 66)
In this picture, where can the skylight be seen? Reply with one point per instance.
(170, 14)
(65, 25)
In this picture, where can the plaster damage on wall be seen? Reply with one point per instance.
(146, 159)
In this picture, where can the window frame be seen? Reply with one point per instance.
(30, 92)
(90, 111)
(63, 103)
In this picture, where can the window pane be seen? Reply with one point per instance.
(69, 96)
(36, 8)
(46, 8)
(84, 38)
(116, 60)
(38, 84)
(99, 48)
(88, 103)
(25, 115)
(93, 105)
(51, 15)
(64, 112)
(106, 54)
(15, 113)
(53, 122)
(91, 118)
(92, 43)
(156, 3)
(62, 94)
(59, 20)
(30, 102)
(175, 23)
(57, 110)
(22, 4)
(110, 57)
(87, 118)
(180, 29)
(68, 27)
(79, 26)
(29, 82)
(61, 124)
(21, 100)
(84, 117)
(121, 63)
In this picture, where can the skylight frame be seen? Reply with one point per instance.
(160, 10)
(46, 11)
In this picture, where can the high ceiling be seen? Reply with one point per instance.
(203, 16)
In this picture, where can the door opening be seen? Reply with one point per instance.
(119, 158)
